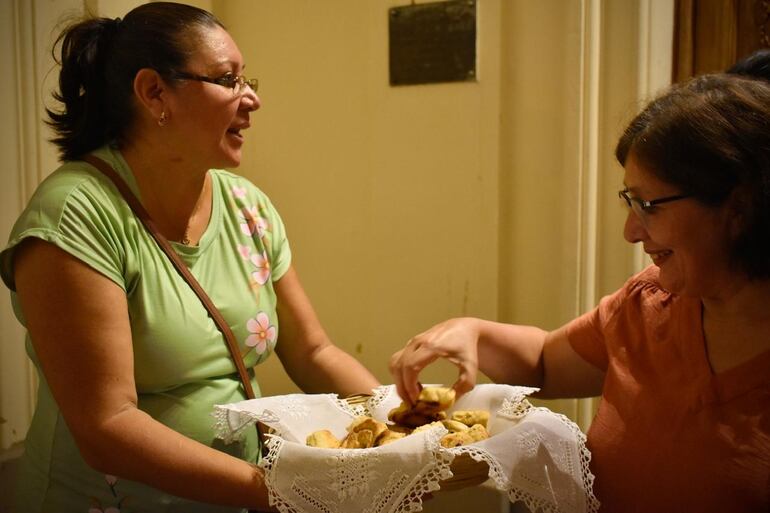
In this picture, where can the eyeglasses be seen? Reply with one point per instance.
(643, 207)
(235, 82)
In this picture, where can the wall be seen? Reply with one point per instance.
(410, 205)
(407, 205)
(389, 193)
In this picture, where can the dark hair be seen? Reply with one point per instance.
(710, 137)
(756, 65)
(99, 60)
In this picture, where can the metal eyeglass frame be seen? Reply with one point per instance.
(228, 80)
(645, 205)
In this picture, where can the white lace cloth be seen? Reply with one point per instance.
(534, 455)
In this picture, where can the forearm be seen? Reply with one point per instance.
(510, 353)
(330, 369)
(134, 446)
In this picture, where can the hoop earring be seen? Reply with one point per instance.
(162, 119)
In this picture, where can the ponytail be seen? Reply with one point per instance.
(99, 59)
(83, 125)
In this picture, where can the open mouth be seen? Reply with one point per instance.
(235, 132)
(659, 256)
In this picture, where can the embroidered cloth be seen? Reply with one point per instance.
(534, 455)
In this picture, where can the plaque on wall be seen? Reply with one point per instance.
(433, 42)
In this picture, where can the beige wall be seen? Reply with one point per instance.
(409, 205)
(389, 193)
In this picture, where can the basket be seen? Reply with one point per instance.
(466, 471)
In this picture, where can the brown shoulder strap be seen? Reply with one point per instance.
(180, 266)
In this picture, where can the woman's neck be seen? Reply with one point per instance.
(176, 194)
(737, 324)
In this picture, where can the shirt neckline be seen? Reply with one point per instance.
(188, 253)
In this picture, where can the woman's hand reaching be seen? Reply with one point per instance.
(455, 340)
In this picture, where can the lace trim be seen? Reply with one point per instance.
(515, 408)
(379, 395)
(231, 425)
(538, 504)
(429, 477)
(495, 469)
(274, 445)
(352, 409)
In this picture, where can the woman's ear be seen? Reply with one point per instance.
(150, 91)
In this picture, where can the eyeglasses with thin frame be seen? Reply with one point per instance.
(642, 208)
(235, 82)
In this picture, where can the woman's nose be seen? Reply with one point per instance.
(250, 100)
(634, 230)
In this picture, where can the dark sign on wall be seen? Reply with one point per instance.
(433, 42)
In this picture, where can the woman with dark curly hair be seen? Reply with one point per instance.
(130, 363)
(681, 353)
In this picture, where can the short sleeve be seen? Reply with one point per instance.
(279, 249)
(76, 215)
(618, 319)
(586, 337)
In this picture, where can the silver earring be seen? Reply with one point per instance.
(162, 119)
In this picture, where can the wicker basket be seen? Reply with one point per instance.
(466, 471)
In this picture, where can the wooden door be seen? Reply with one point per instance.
(711, 35)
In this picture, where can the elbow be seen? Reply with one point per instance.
(100, 443)
(97, 451)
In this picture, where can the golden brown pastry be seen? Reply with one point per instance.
(471, 417)
(456, 439)
(465, 427)
(478, 432)
(436, 398)
(453, 426)
(429, 407)
(362, 439)
(364, 422)
(388, 436)
(323, 438)
(426, 427)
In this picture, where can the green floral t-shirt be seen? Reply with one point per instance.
(182, 365)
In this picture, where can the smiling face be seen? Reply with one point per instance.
(207, 120)
(687, 240)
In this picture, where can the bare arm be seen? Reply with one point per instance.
(307, 354)
(507, 353)
(78, 323)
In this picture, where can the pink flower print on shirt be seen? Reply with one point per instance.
(252, 223)
(244, 251)
(263, 334)
(239, 192)
(260, 261)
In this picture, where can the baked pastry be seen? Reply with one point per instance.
(475, 433)
(478, 432)
(471, 417)
(429, 407)
(453, 426)
(323, 438)
(361, 439)
(465, 427)
(387, 437)
(364, 422)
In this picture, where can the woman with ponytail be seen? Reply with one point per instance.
(130, 363)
